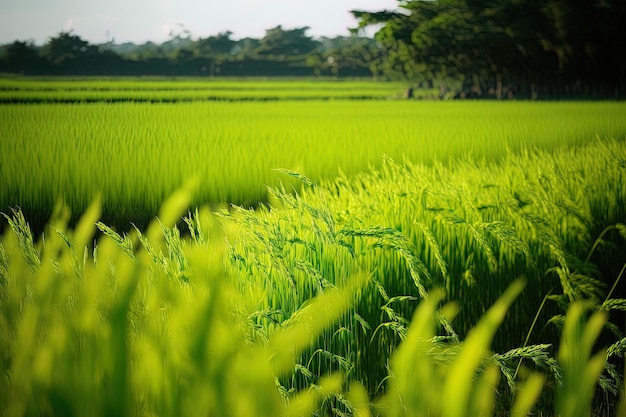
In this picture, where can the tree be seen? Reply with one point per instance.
(220, 45)
(21, 57)
(278, 42)
(246, 47)
(497, 48)
(354, 55)
(65, 46)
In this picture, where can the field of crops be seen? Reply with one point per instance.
(413, 223)
(172, 91)
(136, 154)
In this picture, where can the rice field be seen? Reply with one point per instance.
(154, 90)
(136, 154)
(386, 258)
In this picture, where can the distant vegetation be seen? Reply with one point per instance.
(489, 49)
(506, 49)
(332, 302)
(281, 52)
(72, 142)
(159, 90)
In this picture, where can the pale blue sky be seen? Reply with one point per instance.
(142, 20)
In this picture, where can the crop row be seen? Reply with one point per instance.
(148, 90)
(355, 296)
(136, 154)
(157, 84)
(555, 219)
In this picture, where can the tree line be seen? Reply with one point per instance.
(506, 48)
(281, 52)
(462, 48)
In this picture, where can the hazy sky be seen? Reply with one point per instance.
(142, 20)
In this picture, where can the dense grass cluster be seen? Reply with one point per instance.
(472, 229)
(324, 257)
(54, 90)
(136, 154)
(354, 297)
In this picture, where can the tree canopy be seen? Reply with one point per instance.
(505, 48)
(281, 52)
(462, 48)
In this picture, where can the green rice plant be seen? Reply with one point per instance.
(136, 154)
(459, 384)
(187, 89)
(152, 323)
(581, 367)
(413, 228)
(24, 238)
(123, 336)
(470, 225)
(527, 394)
(427, 377)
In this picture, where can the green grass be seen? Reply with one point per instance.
(399, 259)
(471, 228)
(136, 154)
(29, 90)
(181, 84)
(297, 317)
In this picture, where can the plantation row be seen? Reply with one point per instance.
(137, 154)
(329, 303)
(27, 90)
(471, 229)
(179, 84)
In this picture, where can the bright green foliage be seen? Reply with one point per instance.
(29, 90)
(526, 395)
(581, 367)
(326, 301)
(151, 324)
(471, 228)
(111, 334)
(459, 382)
(136, 154)
(420, 383)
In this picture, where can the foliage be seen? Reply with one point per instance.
(135, 154)
(113, 333)
(20, 57)
(65, 46)
(155, 90)
(470, 229)
(281, 52)
(219, 45)
(476, 49)
(505, 49)
(159, 328)
(581, 367)
(279, 42)
(334, 299)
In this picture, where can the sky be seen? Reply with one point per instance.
(138, 21)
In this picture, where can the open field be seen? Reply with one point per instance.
(372, 237)
(310, 308)
(136, 154)
(163, 90)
